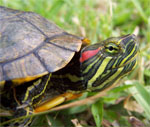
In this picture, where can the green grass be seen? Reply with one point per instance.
(98, 20)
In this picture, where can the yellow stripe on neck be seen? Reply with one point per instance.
(109, 79)
(99, 71)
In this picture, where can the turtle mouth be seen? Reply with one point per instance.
(126, 68)
(134, 58)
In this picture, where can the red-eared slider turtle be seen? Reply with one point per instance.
(36, 55)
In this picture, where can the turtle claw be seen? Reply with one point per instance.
(22, 106)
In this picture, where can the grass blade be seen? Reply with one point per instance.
(142, 96)
(97, 111)
(140, 10)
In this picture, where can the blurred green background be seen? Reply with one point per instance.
(129, 103)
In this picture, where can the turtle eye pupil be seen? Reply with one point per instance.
(110, 48)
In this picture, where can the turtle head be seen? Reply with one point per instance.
(105, 62)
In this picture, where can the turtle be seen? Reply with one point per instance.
(38, 57)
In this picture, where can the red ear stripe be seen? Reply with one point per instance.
(88, 54)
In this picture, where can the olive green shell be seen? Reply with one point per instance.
(31, 46)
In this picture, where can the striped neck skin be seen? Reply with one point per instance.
(104, 63)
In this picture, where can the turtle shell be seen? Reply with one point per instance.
(31, 46)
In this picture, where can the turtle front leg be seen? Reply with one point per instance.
(26, 96)
(31, 93)
(56, 101)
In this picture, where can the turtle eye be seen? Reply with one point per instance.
(111, 48)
